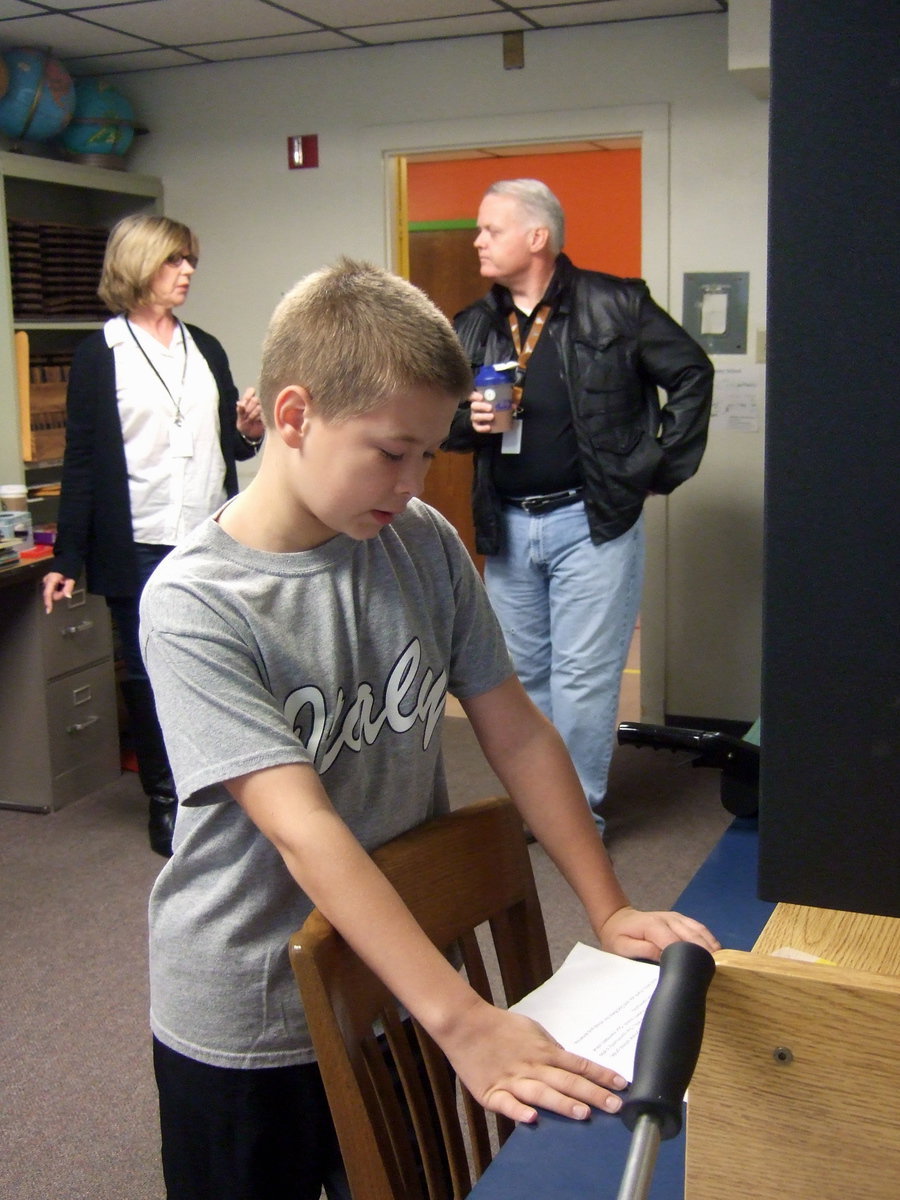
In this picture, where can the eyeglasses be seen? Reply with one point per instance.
(176, 259)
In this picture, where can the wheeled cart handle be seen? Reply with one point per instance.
(669, 1041)
(712, 748)
(667, 1049)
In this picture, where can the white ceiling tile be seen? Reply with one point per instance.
(77, 5)
(451, 27)
(91, 31)
(299, 43)
(14, 8)
(65, 37)
(551, 12)
(140, 60)
(183, 22)
(343, 13)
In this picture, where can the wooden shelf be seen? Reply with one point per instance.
(42, 408)
(66, 174)
(54, 324)
(52, 196)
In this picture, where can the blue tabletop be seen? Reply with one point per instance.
(723, 892)
(558, 1159)
(577, 1160)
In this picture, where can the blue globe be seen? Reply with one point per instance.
(39, 99)
(103, 120)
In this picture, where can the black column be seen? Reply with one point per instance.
(830, 777)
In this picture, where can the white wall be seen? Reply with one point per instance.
(218, 140)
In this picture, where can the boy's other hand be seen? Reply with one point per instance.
(636, 934)
(512, 1066)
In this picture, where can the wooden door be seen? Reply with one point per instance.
(443, 263)
(600, 191)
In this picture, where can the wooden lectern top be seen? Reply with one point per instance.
(795, 1092)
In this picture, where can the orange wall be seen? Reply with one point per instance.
(600, 191)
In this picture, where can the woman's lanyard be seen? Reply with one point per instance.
(179, 415)
(180, 441)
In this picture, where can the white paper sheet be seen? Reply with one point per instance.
(594, 1004)
(738, 393)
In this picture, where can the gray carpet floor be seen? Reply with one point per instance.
(77, 1098)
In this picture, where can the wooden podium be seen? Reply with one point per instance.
(796, 1095)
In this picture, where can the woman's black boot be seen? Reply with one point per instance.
(161, 824)
(152, 762)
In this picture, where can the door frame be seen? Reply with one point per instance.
(651, 124)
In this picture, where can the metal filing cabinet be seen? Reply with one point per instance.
(59, 737)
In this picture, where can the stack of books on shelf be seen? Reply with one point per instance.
(9, 552)
(55, 270)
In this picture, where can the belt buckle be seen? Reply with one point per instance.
(539, 504)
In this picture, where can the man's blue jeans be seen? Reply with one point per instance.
(568, 609)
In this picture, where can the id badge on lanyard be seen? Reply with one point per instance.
(511, 442)
(181, 443)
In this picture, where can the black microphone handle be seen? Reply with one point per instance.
(669, 1041)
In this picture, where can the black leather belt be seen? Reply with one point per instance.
(542, 504)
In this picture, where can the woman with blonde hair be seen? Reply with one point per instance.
(154, 428)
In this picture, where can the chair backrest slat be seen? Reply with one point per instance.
(407, 1129)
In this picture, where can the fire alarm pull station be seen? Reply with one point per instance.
(303, 150)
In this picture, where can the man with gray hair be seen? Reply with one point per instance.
(558, 500)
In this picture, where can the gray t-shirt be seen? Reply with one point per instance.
(340, 656)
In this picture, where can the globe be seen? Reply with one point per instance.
(40, 96)
(103, 120)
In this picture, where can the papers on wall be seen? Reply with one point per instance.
(594, 1004)
(737, 397)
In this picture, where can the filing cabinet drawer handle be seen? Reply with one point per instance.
(80, 726)
(74, 630)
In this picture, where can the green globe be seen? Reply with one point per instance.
(39, 99)
(103, 120)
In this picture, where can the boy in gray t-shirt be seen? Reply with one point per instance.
(301, 646)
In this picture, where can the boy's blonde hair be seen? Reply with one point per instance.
(137, 247)
(353, 335)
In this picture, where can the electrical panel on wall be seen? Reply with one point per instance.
(715, 310)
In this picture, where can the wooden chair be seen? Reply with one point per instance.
(457, 873)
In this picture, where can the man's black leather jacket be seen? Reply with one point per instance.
(617, 346)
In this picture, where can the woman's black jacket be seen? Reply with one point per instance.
(94, 527)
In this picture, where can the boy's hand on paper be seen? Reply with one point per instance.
(636, 934)
(512, 1066)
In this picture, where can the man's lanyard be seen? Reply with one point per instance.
(179, 416)
(525, 352)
